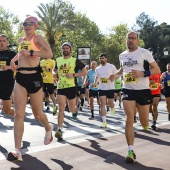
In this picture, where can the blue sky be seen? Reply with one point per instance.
(105, 13)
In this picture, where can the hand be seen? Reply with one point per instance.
(25, 53)
(112, 77)
(69, 75)
(4, 68)
(136, 73)
(93, 85)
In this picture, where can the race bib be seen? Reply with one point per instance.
(96, 86)
(154, 86)
(25, 45)
(168, 83)
(2, 63)
(64, 71)
(104, 80)
(129, 79)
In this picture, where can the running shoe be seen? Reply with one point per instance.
(153, 127)
(131, 157)
(91, 118)
(14, 156)
(112, 111)
(81, 108)
(47, 109)
(74, 115)
(55, 110)
(107, 108)
(59, 134)
(48, 136)
(104, 125)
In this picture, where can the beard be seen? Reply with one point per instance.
(103, 62)
(66, 53)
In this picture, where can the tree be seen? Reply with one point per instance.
(7, 23)
(54, 17)
(114, 43)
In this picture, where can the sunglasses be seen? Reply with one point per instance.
(28, 24)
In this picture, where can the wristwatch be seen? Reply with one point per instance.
(31, 52)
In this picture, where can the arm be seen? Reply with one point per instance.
(12, 64)
(82, 73)
(118, 74)
(153, 69)
(41, 43)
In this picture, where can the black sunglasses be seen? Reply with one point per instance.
(28, 24)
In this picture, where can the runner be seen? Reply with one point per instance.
(118, 90)
(48, 82)
(67, 67)
(29, 81)
(136, 91)
(6, 75)
(106, 87)
(156, 94)
(165, 77)
(93, 91)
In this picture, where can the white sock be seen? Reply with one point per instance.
(104, 118)
(130, 147)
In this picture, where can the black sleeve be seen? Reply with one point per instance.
(56, 65)
(79, 65)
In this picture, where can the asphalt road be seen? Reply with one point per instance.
(86, 145)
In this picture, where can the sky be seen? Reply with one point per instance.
(105, 13)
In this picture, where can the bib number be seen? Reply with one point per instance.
(104, 80)
(129, 79)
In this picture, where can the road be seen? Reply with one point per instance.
(86, 145)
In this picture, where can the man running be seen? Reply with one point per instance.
(165, 77)
(93, 91)
(106, 86)
(6, 75)
(67, 67)
(136, 91)
(47, 66)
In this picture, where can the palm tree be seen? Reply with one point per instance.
(54, 18)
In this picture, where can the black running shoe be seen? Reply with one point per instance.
(153, 127)
(59, 134)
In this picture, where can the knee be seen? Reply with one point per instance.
(129, 121)
(19, 114)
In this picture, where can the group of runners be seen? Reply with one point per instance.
(136, 85)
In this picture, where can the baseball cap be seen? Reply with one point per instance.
(66, 43)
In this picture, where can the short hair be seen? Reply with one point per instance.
(103, 55)
(167, 64)
(132, 32)
(3, 35)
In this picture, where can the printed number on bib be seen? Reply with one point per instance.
(2, 63)
(154, 86)
(129, 79)
(168, 83)
(104, 80)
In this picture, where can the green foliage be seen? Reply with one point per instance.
(7, 23)
(54, 16)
